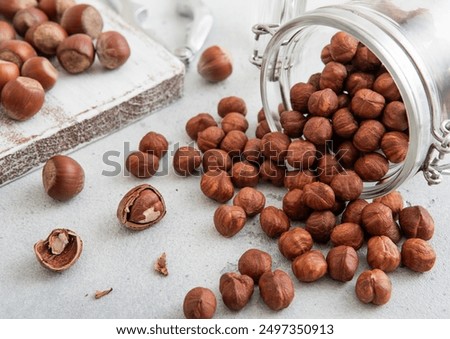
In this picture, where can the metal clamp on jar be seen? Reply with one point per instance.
(411, 40)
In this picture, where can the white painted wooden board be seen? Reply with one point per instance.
(83, 108)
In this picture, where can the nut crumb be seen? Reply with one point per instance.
(101, 294)
(161, 265)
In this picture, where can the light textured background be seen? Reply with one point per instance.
(197, 254)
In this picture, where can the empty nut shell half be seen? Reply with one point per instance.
(59, 251)
(141, 208)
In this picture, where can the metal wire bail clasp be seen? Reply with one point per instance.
(434, 168)
(258, 51)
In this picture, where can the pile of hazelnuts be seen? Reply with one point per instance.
(49, 28)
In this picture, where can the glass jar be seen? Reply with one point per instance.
(412, 40)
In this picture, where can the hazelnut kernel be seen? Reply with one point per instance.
(231, 104)
(395, 117)
(216, 159)
(187, 160)
(300, 94)
(215, 64)
(347, 154)
(234, 143)
(217, 185)
(274, 221)
(320, 224)
(318, 130)
(418, 255)
(298, 179)
(310, 266)
(301, 154)
(112, 49)
(276, 289)
(327, 168)
(236, 290)
(386, 86)
(348, 234)
(154, 143)
(262, 129)
(251, 200)
(377, 219)
(294, 206)
(255, 263)
(318, 196)
(393, 200)
(344, 123)
(353, 212)
(275, 146)
(295, 242)
(369, 135)
(142, 164)
(229, 220)
(244, 174)
(357, 81)
(252, 151)
(323, 103)
(325, 54)
(367, 104)
(343, 47)
(272, 172)
(365, 60)
(371, 167)
(373, 287)
(395, 146)
(199, 123)
(347, 185)
(210, 138)
(292, 123)
(342, 263)
(333, 77)
(383, 254)
(199, 303)
(416, 222)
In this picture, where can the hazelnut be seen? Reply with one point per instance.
(42, 70)
(55, 8)
(252, 151)
(385, 85)
(251, 200)
(416, 222)
(236, 290)
(357, 81)
(142, 164)
(369, 135)
(344, 124)
(216, 159)
(353, 212)
(343, 100)
(320, 224)
(276, 289)
(154, 143)
(244, 174)
(229, 220)
(76, 53)
(274, 221)
(261, 115)
(299, 95)
(310, 266)
(60, 250)
(347, 185)
(234, 143)
(262, 129)
(348, 234)
(392, 200)
(372, 167)
(27, 17)
(318, 196)
(395, 146)
(342, 263)
(7, 31)
(365, 60)
(333, 77)
(292, 123)
(187, 160)
(325, 54)
(377, 219)
(273, 173)
(339, 207)
(418, 255)
(314, 80)
(8, 71)
(199, 123)
(84, 19)
(14, 94)
(298, 179)
(112, 49)
(216, 184)
(210, 138)
(318, 130)
(367, 104)
(255, 263)
(46, 37)
(63, 178)
(142, 207)
(327, 167)
(275, 146)
(295, 242)
(301, 154)
(343, 47)
(199, 303)
(294, 206)
(215, 64)
(373, 287)
(234, 121)
(394, 116)
(347, 154)
(383, 254)
(16, 51)
(323, 103)
(9, 8)
(231, 105)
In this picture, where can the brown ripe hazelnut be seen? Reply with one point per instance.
(16, 51)
(251, 200)
(383, 254)
(343, 100)
(142, 207)
(292, 123)
(365, 60)
(367, 104)
(229, 220)
(274, 221)
(314, 80)
(112, 49)
(347, 154)
(22, 98)
(154, 143)
(199, 123)
(217, 185)
(294, 206)
(339, 207)
(84, 19)
(342, 263)
(320, 224)
(310, 266)
(395, 146)
(323, 103)
(394, 116)
(42, 70)
(377, 219)
(234, 121)
(76, 53)
(244, 174)
(385, 85)
(318, 130)
(347, 185)
(357, 81)
(343, 47)
(416, 222)
(353, 211)
(236, 290)
(9, 8)
(7, 31)
(210, 138)
(418, 255)
(216, 159)
(262, 129)
(372, 167)
(373, 287)
(393, 200)
(27, 17)
(63, 178)
(369, 135)
(231, 104)
(344, 123)
(275, 146)
(318, 196)
(299, 95)
(298, 179)
(325, 54)
(8, 71)
(255, 263)
(142, 165)
(199, 303)
(252, 151)
(261, 115)
(46, 37)
(301, 154)
(273, 173)
(295, 242)
(327, 168)
(276, 289)
(333, 77)
(234, 143)
(55, 8)
(187, 160)
(60, 250)
(215, 64)
(348, 234)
